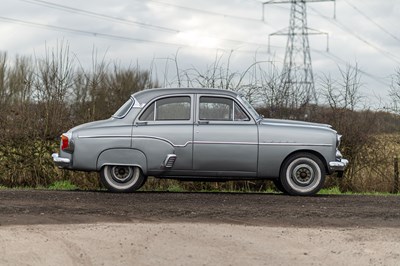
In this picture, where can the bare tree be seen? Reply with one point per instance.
(394, 92)
(345, 93)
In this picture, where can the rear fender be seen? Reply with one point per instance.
(129, 157)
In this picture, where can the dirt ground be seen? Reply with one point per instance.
(100, 228)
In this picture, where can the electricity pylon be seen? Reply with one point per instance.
(297, 80)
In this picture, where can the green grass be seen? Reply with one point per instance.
(336, 191)
(331, 191)
(62, 185)
(175, 188)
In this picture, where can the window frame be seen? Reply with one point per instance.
(129, 104)
(235, 102)
(176, 121)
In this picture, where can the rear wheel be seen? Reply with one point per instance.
(118, 178)
(302, 174)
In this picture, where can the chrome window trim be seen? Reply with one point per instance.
(144, 107)
(133, 104)
(235, 100)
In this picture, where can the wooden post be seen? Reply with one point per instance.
(396, 175)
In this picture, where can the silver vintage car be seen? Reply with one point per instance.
(201, 134)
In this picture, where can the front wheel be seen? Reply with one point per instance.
(278, 185)
(122, 178)
(302, 174)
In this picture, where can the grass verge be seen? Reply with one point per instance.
(63, 185)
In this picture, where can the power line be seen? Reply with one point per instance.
(372, 21)
(110, 36)
(337, 23)
(349, 31)
(83, 32)
(121, 20)
(343, 62)
(98, 15)
(200, 10)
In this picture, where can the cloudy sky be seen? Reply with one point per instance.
(148, 32)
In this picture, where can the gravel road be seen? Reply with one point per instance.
(147, 228)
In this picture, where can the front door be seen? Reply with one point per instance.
(225, 138)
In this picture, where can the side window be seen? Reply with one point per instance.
(220, 109)
(239, 114)
(172, 108)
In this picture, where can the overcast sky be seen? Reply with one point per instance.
(366, 32)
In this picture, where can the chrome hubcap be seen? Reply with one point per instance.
(303, 174)
(121, 174)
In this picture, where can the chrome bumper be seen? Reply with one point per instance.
(338, 166)
(59, 161)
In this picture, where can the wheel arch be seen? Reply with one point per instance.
(313, 152)
(125, 157)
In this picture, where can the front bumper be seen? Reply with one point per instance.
(60, 161)
(338, 166)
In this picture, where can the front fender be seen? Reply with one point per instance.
(130, 157)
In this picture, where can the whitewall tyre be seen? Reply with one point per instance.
(117, 178)
(302, 174)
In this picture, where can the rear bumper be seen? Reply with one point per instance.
(60, 161)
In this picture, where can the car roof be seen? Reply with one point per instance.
(149, 94)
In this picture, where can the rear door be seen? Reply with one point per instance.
(165, 128)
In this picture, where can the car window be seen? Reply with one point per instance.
(249, 107)
(171, 108)
(124, 109)
(220, 109)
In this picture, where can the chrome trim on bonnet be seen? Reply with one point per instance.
(294, 125)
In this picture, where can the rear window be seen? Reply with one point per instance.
(170, 108)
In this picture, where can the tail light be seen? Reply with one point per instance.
(66, 143)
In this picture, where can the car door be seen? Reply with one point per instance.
(225, 138)
(163, 129)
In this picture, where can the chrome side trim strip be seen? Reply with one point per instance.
(209, 142)
(295, 144)
(162, 139)
(225, 142)
(104, 136)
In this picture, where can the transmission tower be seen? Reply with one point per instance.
(297, 80)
